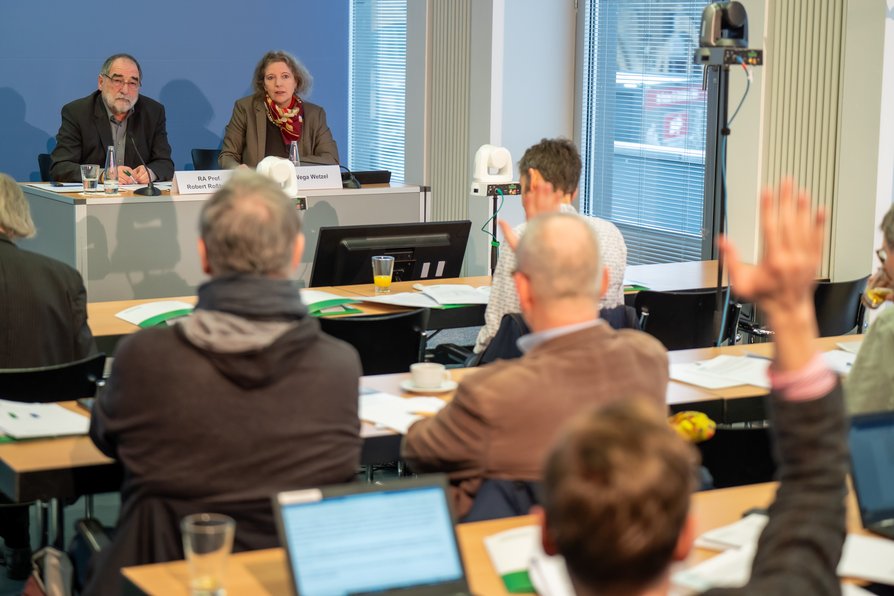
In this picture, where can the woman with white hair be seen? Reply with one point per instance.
(43, 321)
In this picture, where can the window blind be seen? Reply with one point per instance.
(377, 87)
(643, 125)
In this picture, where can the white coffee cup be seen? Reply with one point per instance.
(429, 375)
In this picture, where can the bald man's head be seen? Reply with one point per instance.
(559, 254)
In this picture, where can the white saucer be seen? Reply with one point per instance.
(408, 385)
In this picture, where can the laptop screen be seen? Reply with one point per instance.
(872, 465)
(367, 542)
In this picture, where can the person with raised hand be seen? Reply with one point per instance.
(620, 532)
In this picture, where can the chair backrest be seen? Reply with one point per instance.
(503, 345)
(386, 343)
(205, 159)
(683, 320)
(43, 165)
(620, 317)
(61, 382)
(737, 456)
(838, 306)
(497, 498)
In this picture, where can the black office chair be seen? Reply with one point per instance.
(839, 310)
(498, 498)
(386, 343)
(735, 456)
(205, 159)
(838, 306)
(43, 164)
(504, 345)
(684, 320)
(46, 384)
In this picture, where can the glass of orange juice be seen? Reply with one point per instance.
(874, 297)
(383, 267)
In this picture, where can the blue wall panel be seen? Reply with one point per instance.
(197, 59)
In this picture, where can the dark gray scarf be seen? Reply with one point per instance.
(252, 297)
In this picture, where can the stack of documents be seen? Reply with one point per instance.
(723, 371)
(397, 413)
(732, 371)
(30, 421)
(864, 557)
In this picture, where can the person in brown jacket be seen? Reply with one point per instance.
(503, 419)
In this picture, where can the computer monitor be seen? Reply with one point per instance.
(423, 250)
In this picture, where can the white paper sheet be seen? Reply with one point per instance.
(457, 294)
(549, 575)
(512, 550)
(30, 421)
(409, 299)
(839, 361)
(723, 371)
(67, 187)
(864, 557)
(143, 312)
(850, 346)
(868, 557)
(737, 534)
(731, 568)
(394, 412)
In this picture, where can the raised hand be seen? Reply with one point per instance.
(783, 281)
(508, 233)
(540, 196)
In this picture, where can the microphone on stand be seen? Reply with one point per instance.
(146, 191)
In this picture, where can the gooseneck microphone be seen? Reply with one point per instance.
(347, 178)
(146, 191)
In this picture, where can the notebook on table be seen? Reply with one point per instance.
(871, 441)
(371, 539)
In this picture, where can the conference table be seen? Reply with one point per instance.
(662, 277)
(265, 571)
(108, 329)
(68, 467)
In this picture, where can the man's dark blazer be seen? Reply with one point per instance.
(85, 134)
(43, 310)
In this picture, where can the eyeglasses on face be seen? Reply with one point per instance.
(118, 82)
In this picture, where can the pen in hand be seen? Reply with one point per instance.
(129, 174)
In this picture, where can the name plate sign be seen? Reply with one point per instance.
(200, 182)
(318, 176)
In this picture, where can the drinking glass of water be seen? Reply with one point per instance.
(90, 176)
(207, 542)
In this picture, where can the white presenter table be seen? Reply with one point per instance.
(132, 247)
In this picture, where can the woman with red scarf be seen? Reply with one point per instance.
(267, 122)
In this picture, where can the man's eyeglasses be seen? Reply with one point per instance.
(118, 82)
(881, 254)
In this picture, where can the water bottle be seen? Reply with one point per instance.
(110, 176)
(293, 153)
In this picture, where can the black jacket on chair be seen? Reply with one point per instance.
(43, 310)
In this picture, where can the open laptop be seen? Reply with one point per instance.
(871, 441)
(395, 538)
